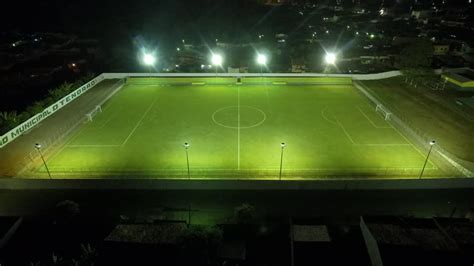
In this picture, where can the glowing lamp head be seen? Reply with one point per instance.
(283, 145)
(216, 59)
(261, 59)
(330, 58)
(433, 142)
(38, 146)
(186, 145)
(149, 59)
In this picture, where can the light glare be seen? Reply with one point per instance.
(216, 59)
(149, 59)
(261, 59)
(330, 58)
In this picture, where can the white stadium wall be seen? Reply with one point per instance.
(36, 119)
(383, 75)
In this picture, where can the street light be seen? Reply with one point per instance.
(432, 143)
(282, 145)
(330, 58)
(186, 147)
(38, 148)
(261, 60)
(216, 60)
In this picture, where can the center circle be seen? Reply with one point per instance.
(239, 117)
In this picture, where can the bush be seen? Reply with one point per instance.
(245, 214)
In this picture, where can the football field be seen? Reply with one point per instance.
(236, 131)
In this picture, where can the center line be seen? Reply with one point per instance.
(238, 128)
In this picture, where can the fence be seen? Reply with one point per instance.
(421, 138)
(61, 132)
(256, 174)
(36, 119)
(375, 76)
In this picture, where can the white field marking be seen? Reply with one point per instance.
(66, 144)
(238, 128)
(366, 144)
(323, 114)
(244, 106)
(57, 169)
(268, 97)
(406, 139)
(370, 120)
(384, 144)
(139, 122)
(344, 129)
(106, 121)
(93, 146)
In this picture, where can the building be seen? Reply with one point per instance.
(440, 49)
(461, 80)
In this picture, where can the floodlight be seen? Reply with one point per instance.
(38, 146)
(186, 145)
(433, 142)
(216, 59)
(330, 58)
(261, 59)
(283, 145)
(149, 59)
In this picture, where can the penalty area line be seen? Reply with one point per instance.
(139, 123)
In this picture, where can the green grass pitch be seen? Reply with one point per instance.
(235, 131)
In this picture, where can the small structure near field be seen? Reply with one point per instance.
(462, 80)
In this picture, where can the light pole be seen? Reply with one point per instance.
(432, 143)
(282, 145)
(261, 60)
(186, 147)
(216, 60)
(38, 148)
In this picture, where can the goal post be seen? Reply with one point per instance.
(383, 111)
(90, 116)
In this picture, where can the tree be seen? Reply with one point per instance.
(416, 54)
(245, 214)
(8, 120)
(66, 211)
(200, 244)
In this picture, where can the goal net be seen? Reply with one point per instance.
(383, 111)
(90, 116)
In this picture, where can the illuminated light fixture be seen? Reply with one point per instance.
(432, 143)
(261, 59)
(216, 59)
(38, 148)
(282, 145)
(330, 58)
(149, 59)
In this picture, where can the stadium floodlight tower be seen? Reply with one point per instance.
(432, 143)
(262, 61)
(330, 58)
(282, 145)
(38, 148)
(216, 60)
(149, 60)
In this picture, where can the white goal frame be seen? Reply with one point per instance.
(93, 113)
(385, 113)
